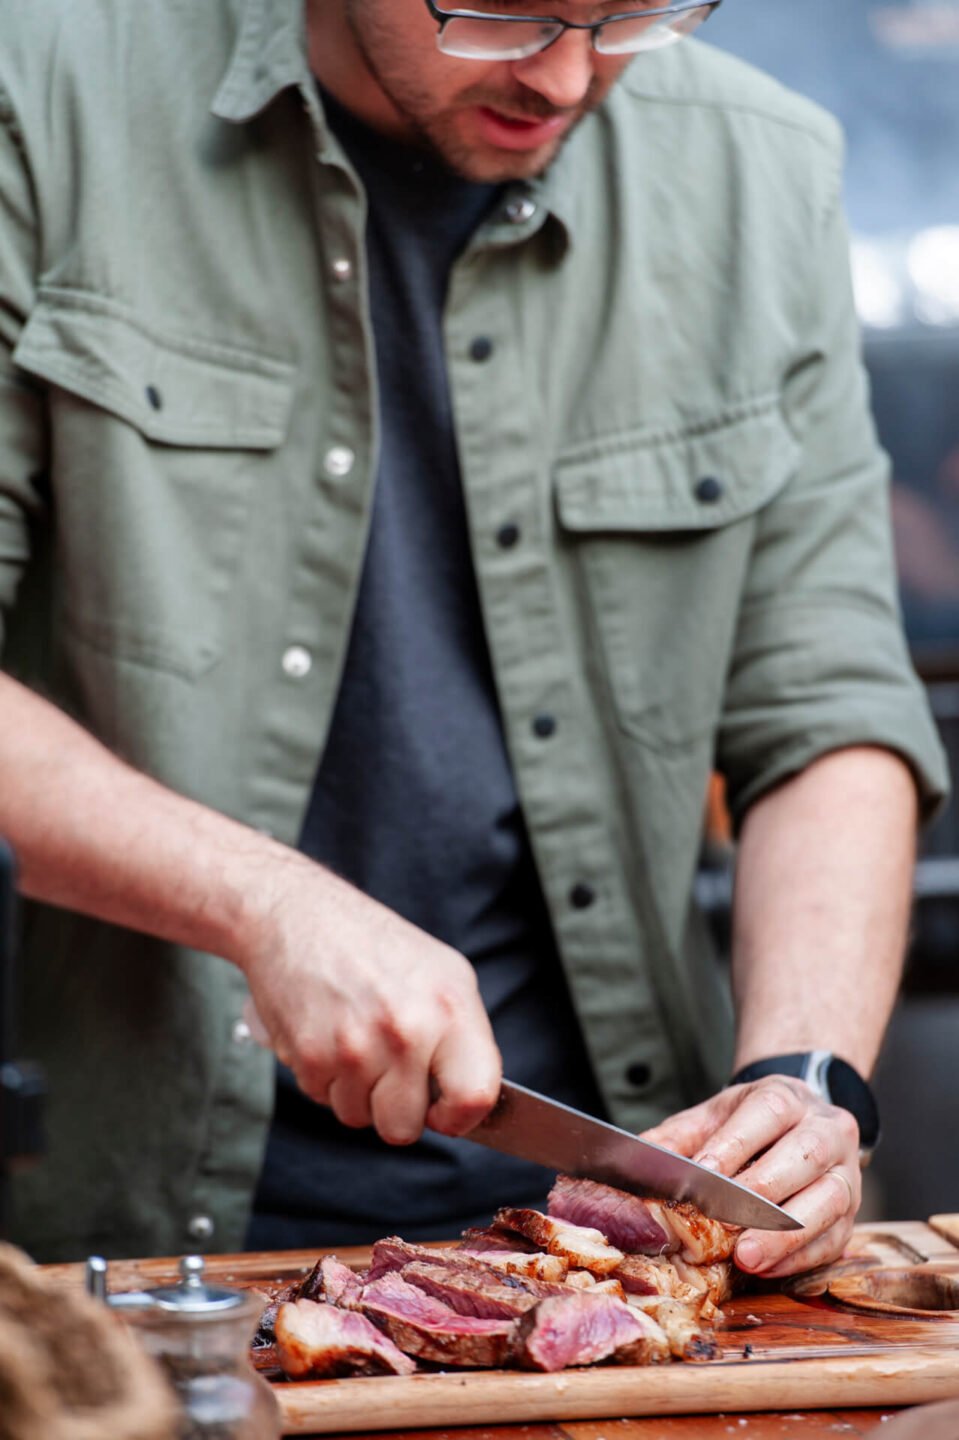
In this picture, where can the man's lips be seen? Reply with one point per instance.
(519, 132)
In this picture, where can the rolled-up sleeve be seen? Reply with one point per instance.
(22, 431)
(820, 660)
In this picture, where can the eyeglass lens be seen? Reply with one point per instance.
(492, 39)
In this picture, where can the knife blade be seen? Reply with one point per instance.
(533, 1127)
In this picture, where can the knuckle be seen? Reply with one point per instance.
(779, 1100)
(349, 1050)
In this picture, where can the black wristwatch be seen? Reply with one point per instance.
(834, 1079)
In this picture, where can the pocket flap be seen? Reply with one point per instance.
(174, 390)
(697, 479)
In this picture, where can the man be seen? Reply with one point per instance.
(584, 321)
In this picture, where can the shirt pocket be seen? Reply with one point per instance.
(659, 529)
(156, 442)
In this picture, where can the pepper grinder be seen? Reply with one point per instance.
(200, 1334)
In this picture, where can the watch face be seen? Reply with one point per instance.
(847, 1088)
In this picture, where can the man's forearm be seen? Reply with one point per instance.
(821, 908)
(373, 1015)
(92, 834)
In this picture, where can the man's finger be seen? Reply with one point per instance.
(762, 1115)
(466, 1074)
(689, 1130)
(399, 1101)
(827, 1211)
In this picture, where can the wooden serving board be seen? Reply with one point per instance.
(804, 1350)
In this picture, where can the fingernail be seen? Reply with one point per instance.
(749, 1255)
(708, 1162)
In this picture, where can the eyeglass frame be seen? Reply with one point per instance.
(443, 17)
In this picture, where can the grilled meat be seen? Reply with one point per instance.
(582, 1328)
(583, 1247)
(642, 1226)
(423, 1326)
(316, 1339)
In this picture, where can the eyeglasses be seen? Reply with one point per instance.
(484, 34)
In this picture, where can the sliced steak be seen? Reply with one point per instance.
(586, 1280)
(717, 1281)
(315, 1339)
(392, 1253)
(583, 1247)
(332, 1281)
(700, 1241)
(652, 1275)
(513, 1254)
(423, 1326)
(273, 1300)
(473, 1290)
(625, 1220)
(680, 1321)
(642, 1226)
(582, 1328)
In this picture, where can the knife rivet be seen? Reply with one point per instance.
(639, 1074)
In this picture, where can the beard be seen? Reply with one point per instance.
(432, 128)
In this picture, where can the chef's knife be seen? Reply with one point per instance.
(533, 1127)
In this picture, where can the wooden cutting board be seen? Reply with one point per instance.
(805, 1350)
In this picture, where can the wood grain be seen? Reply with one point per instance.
(947, 1226)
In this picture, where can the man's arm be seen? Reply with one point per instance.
(823, 886)
(363, 1006)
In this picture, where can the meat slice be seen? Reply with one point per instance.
(332, 1281)
(513, 1254)
(717, 1282)
(586, 1280)
(319, 1340)
(423, 1326)
(700, 1241)
(681, 1323)
(473, 1290)
(582, 1328)
(585, 1248)
(625, 1220)
(392, 1253)
(642, 1225)
(652, 1275)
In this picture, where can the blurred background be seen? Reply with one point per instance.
(889, 70)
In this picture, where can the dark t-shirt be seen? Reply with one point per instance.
(415, 801)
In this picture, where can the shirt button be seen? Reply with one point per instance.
(481, 348)
(342, 269)
(519, 210)
(200, 1227)
(544, 726)
(639, 1074)
(154, 398)
(339, 460)
(507, 536)
(582, 895)
(709, 489)
(242, 1034)
(297, 662)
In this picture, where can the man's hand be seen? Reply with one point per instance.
(777, 1136)
(368, 1011)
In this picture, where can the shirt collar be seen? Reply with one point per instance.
(269, 56)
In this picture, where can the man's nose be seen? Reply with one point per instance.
(561, 74)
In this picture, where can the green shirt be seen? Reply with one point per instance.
(678, 516)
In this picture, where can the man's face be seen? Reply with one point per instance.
(490, 121)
